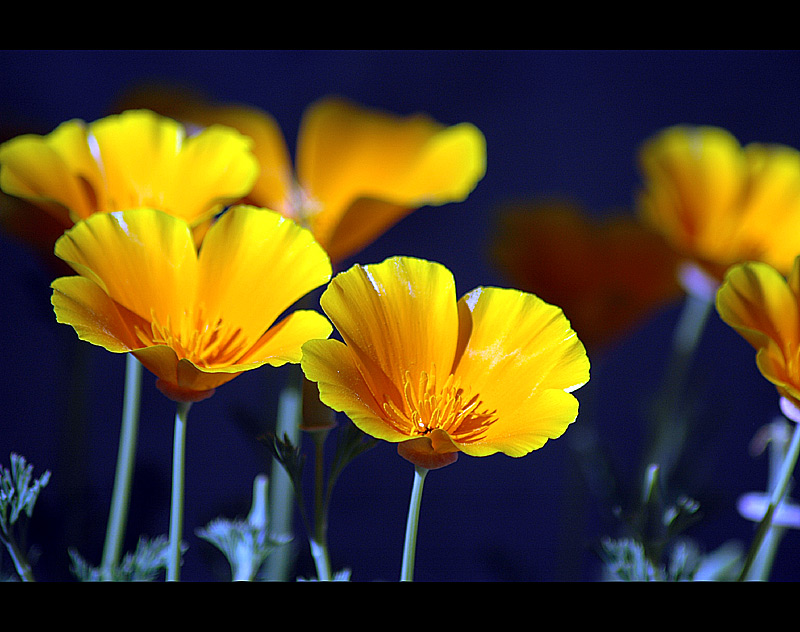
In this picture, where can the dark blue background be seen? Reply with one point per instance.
(556, 122)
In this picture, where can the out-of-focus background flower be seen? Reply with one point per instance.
(559, 125)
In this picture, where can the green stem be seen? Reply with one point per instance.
(670, 425)
(281, 490)
(778, 492)
(20, 561)
(410, 546)
(176, 501)
(115, 532)
(319, 540)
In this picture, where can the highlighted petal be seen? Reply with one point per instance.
(521, 357)
(254, 265)
(144, 260)
(396, 316)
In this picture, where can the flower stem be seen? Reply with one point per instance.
(176, 501)
(281, 490)
(410, 546)
(115, 532)
(319, 540)
(778, 492)
(670, 425)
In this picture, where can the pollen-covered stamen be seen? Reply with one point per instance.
(205, 343)
(426, 406)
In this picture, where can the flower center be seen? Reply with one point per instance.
(426, 406)
(194, 338)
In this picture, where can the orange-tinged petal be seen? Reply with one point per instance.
(144, 260)
(346, 152)
(757, 301)
(520, 358)
(395, 316)
(343, 388)
(57, 171)
(255, 264)
(96, 318)
(147, 160)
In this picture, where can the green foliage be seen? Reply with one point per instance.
(143, 565)
(17, 495)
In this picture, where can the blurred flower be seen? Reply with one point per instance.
(195, 320)
(606, 275)
(492, 372)
(718, 203)
(358, 171)
(762, 306)
(131, 160)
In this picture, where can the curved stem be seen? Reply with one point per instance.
(410, 546)
(778, 492)
(20, 561)
(115, 532)
(176, 501)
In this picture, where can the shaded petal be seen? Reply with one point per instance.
(96, 318)
(342, 387)
(522, 359)
(346, 152)
(144, 260)
(56, 171)
(395, 316)
(179, 373)
(254, 265)
(757, 301)
(148, 161)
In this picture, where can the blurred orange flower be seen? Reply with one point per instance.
(358, 170)
(718, 203)
(491, 372)
(195, 319)
(130, 160)
(764, 307)
(607, 275)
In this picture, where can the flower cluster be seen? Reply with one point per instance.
(196, 247)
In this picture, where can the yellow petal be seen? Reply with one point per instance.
(757, 301)
(148, 161)
(283, 343)
(695, 179)
(346, 152)
(522, 359)
(342, 387)
(254, 265)
(96, 318)
(395, 316)
(144, 260)
(57, 171)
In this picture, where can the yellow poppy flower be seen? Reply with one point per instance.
(195, 319)
(607, 275)
(131, 160)
(764, 307)
(718, 203)
(492, 372)
(358, 170)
